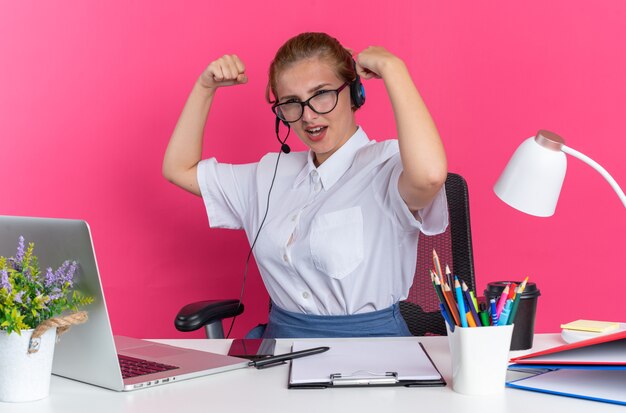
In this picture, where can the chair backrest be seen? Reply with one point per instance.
(454, 247)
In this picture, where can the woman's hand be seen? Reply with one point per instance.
(228, 70)
(376, 62)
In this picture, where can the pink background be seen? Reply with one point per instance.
(90, 93)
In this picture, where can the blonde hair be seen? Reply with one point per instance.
(306, 46)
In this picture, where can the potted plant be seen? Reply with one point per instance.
(35, 306)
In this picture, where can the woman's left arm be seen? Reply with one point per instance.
(421, 150)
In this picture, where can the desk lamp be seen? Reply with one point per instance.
(532, 180)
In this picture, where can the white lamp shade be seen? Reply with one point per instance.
(532, 180)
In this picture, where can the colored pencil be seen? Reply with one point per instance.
(446, 317)
(449, 276)
(470, 302)
(460, 302)
(438, 290)
(447, 292)
(512, 290)
(504, 316)
(437, 265)
(518, 297)
(502, 300)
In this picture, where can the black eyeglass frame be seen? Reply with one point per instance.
(278, 113)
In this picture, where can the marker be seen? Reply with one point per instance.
(460, 302)
(484, 315)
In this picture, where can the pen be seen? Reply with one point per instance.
(494, 313)
(281, 358)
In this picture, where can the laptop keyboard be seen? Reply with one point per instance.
(133, 367)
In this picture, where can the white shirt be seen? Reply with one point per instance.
(338, 239)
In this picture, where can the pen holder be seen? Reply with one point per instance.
(480, 357)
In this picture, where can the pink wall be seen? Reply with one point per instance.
(90, 92)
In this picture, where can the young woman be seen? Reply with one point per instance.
(337, 245)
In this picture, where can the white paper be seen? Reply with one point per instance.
(368, 359)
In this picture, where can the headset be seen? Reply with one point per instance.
(357, 97)
(357, 91)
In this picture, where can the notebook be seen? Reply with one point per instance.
(89, 352)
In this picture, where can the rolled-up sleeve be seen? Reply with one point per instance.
(227, 191)
(430, 220)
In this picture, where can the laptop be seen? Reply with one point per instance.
(89, 352)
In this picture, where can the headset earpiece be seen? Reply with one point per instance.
(357, 91)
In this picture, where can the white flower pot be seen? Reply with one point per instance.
(23, 376)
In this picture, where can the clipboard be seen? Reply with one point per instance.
(359, 363)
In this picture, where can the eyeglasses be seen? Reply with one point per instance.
(321, 103)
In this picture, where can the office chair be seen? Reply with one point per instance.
(420, 309)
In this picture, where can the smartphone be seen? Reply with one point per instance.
(252, 348)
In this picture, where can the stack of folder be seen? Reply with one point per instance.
(593, 369)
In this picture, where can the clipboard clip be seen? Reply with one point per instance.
(364, 378)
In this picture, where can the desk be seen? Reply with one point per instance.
(251, 390)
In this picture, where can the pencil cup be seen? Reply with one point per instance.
(480, 356)
(524, 329)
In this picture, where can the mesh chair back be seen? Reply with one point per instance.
(454, 248)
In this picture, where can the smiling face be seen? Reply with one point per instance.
(326, 133)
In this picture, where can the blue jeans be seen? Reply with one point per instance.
(286, 324)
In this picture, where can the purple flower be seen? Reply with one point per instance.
(50, 278)
(55, 295)
(20, 249)
(18, 297)
(4, 281)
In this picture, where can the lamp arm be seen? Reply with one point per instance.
(597, 167)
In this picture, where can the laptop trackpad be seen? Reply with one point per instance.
(154, 351)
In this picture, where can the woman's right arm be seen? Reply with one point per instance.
(184, 150)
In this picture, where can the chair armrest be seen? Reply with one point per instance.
(196, 315)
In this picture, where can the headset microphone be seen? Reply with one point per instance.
(283, 146)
